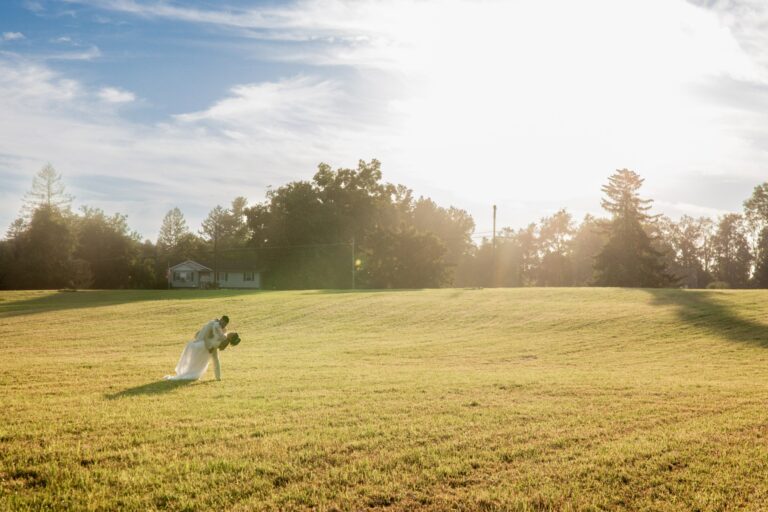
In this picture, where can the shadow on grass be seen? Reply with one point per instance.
(708, 311)
(154, 388)
(47, 301)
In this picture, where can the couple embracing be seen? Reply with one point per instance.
(199, 352)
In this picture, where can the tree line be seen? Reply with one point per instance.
(348, 227)
(630, 247)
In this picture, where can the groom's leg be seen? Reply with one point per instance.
(216, 365)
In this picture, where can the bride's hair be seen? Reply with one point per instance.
(224, 318)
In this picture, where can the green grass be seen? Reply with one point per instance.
(521, 399)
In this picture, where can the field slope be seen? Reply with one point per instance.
(515, 399)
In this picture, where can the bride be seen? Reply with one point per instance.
(197, 354)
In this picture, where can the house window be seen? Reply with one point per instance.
(183, 275)
(226, 276)
(248, 276)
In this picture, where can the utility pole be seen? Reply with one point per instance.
(354, 263)
(216, 254)
(493, 275)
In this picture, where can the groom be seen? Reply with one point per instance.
(214, 335)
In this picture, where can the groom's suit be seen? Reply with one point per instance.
(212, 335)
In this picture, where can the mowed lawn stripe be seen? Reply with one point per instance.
(507, 399)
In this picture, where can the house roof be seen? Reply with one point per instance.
(191, 265)
(238, 266)
(235, 262)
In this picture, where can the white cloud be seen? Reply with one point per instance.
(270, 106)
(115, 95)
(477, 103)
(261, 135)
(33, 6)
(90, 54)
(12, 36)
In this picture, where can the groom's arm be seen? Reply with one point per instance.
(219, 333)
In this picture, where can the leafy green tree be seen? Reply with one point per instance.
(689, 238)
(45, 252)
(761, 262)
(227, 226)
(756, 215)
(662, 233)
(452, 226)
(628, 258)
(303, 233)
(404, 258)
(109, 247)
(732, 255)
(588, 241)
(554, 241)
(513, 262)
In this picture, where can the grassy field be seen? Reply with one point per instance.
(518, 399)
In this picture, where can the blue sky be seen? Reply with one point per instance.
(144, 105)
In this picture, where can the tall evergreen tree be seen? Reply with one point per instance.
(174, 227)
(628, 259)
(47, 190)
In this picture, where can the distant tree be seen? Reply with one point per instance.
(588, 241)
(452, 226)
(761, 262)
(47, 190)
(756, 207)
(554, 241)
(109, 247)
(527, 243)
(8, 263)
(239, 220)
(172, 230)
(404, 258)
(16, 228)
(227, 226)
(213, 225)
(45, 252)
(732, 255)
(514, 261)
(476, 268)
(756, 215)
(628, 258)
(304, 231)
(175, 243)
(662, 235)
(689, 239)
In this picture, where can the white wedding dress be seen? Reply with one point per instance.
(195, 358)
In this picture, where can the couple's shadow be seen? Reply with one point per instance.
(155, 388)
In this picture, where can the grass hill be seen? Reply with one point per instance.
(504, 399)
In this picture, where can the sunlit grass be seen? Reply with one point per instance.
(524, 399)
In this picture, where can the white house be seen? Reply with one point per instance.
(191, 274)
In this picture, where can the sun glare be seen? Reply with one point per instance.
(531, 90)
